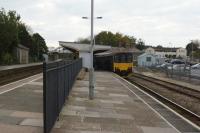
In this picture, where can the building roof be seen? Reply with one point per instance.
(22, 47)
(146, 54)
(77, 47)
(114, 50)
(164, 49)
(58, 50)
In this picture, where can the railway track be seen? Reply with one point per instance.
(171, 86)
(11, 75)
(167, 93)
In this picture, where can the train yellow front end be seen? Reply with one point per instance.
(123, 68)
(123, 63)
(118, 62)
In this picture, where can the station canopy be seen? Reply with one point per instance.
(115, 50)
(78, 47)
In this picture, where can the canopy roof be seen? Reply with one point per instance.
(77, 47)
(116, 50)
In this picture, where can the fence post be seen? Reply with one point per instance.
(57, 90)
(189, 74)
(172, 71)
(44, 96)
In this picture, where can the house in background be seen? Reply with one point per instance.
(181, 52)
(22, 54)
(163, 52)
(55, 53)
(146, 60)
(149, 60)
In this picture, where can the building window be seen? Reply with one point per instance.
(148, 59)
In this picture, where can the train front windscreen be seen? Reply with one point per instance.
(123, 58)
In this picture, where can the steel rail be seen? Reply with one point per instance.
(182, 90)
(195, 118)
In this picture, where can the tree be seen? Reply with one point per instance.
(193, 45)
(24, 36)
(196, 54)
(39, 46)
(159, 46)
(140, 44)
(125, 41)
(102, 38)
(84, 40)
(8, 34)
(14, 32)
(110, 39)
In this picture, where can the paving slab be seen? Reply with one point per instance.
(32, 122)
(23, 114)
(157, 130)
(113, 110)
(5, 128)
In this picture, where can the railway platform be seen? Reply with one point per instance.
(18, 66)
(21, 106)
(116, 108)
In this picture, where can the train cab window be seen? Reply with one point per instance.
(129, 58)
(123, 58)
(116, 59)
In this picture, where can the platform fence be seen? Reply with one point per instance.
(58, 79)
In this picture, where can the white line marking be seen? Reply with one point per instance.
(19, 80)
(145, 101)
(20, 85)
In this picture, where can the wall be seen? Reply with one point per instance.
(22, 56)
(86, 59)
(163, 54)
(181, 52)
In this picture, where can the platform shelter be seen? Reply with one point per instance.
(83, 50)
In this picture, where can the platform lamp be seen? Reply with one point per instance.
(92, 43)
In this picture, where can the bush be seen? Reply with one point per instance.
(7, 59)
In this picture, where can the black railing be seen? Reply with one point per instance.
(58, 79)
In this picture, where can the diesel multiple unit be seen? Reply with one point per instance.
(118, 62)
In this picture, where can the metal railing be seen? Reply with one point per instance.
(178, 71)
(58, 79)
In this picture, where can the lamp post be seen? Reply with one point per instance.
(92, 43)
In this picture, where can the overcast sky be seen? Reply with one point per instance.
(157, 22)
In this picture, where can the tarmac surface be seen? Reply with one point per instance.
(114, 110)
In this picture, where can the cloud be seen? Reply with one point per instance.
(157, 22)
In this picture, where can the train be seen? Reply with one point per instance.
(118, 62)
